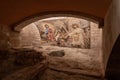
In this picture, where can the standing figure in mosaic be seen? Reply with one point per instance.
(78, 36)
(50, 34)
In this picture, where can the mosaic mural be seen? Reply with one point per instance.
(65, 32)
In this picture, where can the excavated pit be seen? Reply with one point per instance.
(63, 64)
(51, 63)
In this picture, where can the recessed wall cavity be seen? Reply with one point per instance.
(70, 44)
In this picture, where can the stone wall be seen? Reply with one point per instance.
(29, 36)
(14, 39)
(4, 37)
(8, 38)
(111, 29)
(96, 46)
(96, 36)
(11, 61)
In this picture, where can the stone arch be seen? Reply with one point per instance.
(20, 25)
(17, 27)
(30, 19)
(96, 48)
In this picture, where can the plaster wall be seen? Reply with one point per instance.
(111, 29)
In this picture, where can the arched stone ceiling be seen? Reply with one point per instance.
(13, 11)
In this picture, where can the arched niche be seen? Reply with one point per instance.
(94, 53)
(19, 25)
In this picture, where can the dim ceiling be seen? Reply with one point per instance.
(13, 11)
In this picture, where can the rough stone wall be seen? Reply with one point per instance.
(14, 39)
(111, 29)
(96, 45)
(30, 36)
(4, 37)
(96, 36)
(15, 60)
(8, 38)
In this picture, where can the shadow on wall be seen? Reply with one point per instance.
(113, 66)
